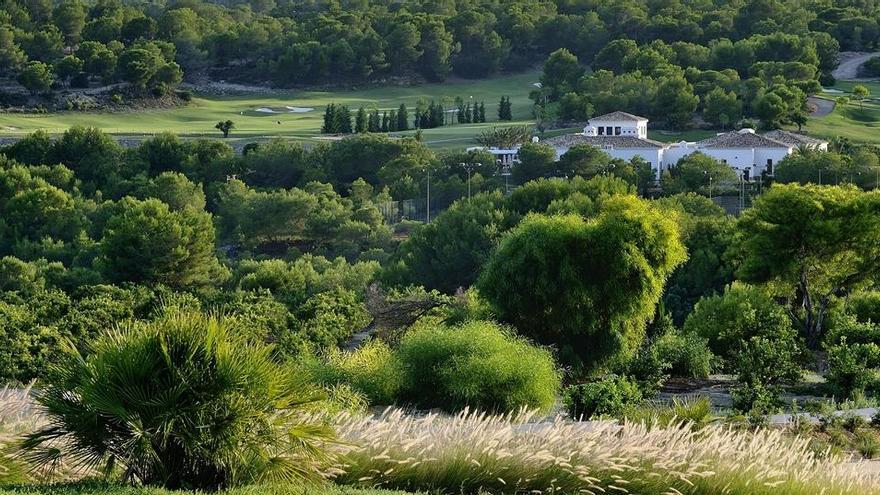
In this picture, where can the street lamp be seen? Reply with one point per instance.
(428, 197)
(470, 168)
(710, 182)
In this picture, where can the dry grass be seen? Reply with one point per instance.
(17, 413)
(17, 416)
(469, 453)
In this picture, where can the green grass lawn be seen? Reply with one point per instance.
(860, 123)
(110, 489)
(199, 117)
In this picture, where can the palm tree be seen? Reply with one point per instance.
(186, 400)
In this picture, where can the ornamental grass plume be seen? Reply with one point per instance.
(472, 452)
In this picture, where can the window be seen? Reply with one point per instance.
(769, 166)
(724, 161)
(601, 131)
(617, 131)
(746, 174)
(609, 130)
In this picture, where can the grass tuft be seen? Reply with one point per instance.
(473, 452)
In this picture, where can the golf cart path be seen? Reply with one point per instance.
(820, 106)
(850, 63)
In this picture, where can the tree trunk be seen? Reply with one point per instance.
(812, 323)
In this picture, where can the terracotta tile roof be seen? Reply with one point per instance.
(740, 140)
(617, 117)
(792, 138)
(614, 142)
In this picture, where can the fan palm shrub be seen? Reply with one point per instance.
(184, 401)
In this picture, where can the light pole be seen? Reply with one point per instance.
(710, 183)
(469, 167)
(428, 198)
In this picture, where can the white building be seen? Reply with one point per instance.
(620, 134)
(503, 156)
(624, 136)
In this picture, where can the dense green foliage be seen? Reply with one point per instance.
(477, 364)
(811, 243)
(293, 43)
(586, 286)
(143, 396)
(611, 396)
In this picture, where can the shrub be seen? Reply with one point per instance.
(852, 367)
(26, 347)
(871, 68)
(756, 399)
(763, 364)
(867, 444)
(369, 370)
(864, 305)
(733, 318)
(671, 354)
(688, 355)
(330, 318)
(143, 398)
(478, 364)
(586, 286)
(846, 327)
(611, 396)
(696, 410)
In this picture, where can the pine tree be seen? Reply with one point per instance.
(504, 112)
(342, 120)
(360, 121)
(373, 123)
(482, 111)
(468, 114)
(392, 121)
(329, 119)
(402, 118)
(384, 121)
(459, 105)
(435, 115)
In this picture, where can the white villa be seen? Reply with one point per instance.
(625, 136)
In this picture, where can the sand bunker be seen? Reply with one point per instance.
(285, 109)
(831, 90)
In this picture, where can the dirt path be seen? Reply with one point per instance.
(850, 63)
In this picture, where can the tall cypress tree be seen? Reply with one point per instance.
(392, 121)
(482, 111)
(384, 121)
(342, 120)
(468, 114)
(360, 120)
(402, 118)
(373, 123)
(329, 119)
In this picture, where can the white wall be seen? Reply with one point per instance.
(676, 152)
(627, 128)
(738, 158)
(650, 155)
(764, 154)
